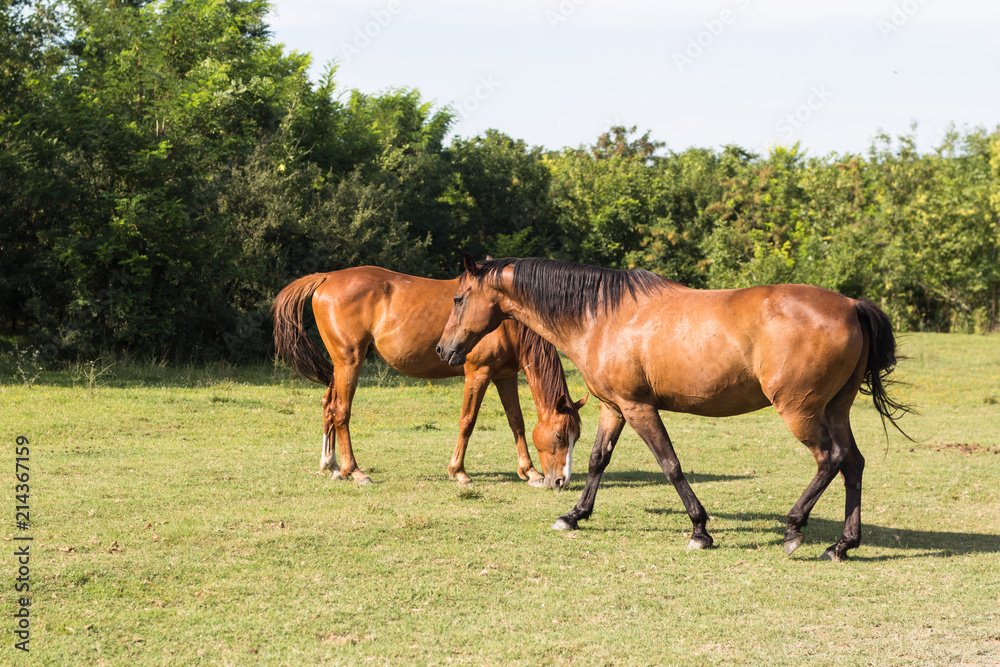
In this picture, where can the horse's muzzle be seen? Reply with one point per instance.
(451, 357)
(556, 482)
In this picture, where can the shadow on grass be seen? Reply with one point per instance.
(819, 533)
(646, 477)
(630, 478)
(921, 543)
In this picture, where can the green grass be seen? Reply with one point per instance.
(177, 518)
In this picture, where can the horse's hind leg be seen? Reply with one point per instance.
(328, 457)
(345, 381)
(825, 441)
(852, 470)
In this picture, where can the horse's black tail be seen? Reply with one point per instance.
(881, 362)
(290, 337)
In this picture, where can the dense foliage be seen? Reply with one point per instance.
(166, 168)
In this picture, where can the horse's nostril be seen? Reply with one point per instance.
(438, 349)
(559, 482)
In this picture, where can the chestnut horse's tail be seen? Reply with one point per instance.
(290, 337)
(881, 362)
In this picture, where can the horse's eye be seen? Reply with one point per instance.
(458, 301)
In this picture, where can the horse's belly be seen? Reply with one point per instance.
(414, 357)
(704, 373)
(718, 402)
(715, 382)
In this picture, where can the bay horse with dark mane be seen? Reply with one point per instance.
(644, 344)
(402, 317)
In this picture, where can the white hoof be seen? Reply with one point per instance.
(561, 525)
(792, 545)
(336, 474)
(364, 481)
(695, 544)
(538, 482)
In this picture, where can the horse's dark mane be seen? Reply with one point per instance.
(540, 361)
(563, 292)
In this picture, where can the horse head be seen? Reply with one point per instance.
(475, 312)
(554, 436)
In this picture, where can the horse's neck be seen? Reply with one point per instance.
(564, 340)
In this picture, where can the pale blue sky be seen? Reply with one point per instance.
(559, 72)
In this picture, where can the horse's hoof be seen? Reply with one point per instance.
(538, 482)
(831, 554)
(465, 483)
(364, 481)
(563, 524)
(793, 544)
(337, 475)
(697, 543)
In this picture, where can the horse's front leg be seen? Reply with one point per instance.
(476, 384)
(507, 389)
(609, 428)
(645, 419)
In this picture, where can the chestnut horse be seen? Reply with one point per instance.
(644, 344)
(403, 317)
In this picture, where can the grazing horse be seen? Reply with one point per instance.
(644, 344)
(403, 317)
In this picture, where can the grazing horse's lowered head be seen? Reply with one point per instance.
(554, 436)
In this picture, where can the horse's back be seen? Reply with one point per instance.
(727, 352)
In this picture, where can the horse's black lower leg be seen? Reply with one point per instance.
(798, 517)
(700, 539)
(830, 455)
(649, 426)
(609, 428)
(852, 470)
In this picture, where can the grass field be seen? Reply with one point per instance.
(177, 518)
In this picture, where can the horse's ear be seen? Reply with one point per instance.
(469, 264)
(566, 404)
(489, 258)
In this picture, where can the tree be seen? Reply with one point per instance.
(603, 196)
(756, 223)
(671, 244)
(499, 197)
